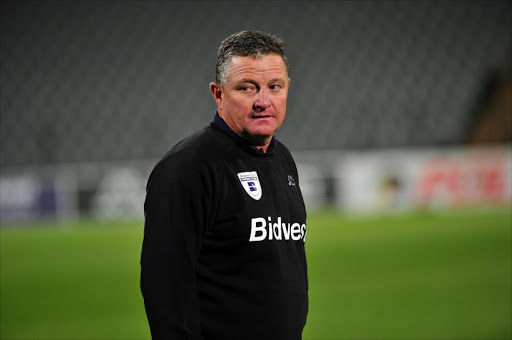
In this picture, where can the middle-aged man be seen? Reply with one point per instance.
(225, 223)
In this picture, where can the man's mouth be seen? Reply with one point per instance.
(261, 116)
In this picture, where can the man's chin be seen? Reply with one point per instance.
(263, 130)
(259, 138)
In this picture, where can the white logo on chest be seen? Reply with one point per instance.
(251, 183)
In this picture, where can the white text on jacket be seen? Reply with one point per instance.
(261, 230)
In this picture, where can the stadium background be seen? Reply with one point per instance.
(92, 93)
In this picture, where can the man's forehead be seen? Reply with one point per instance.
(267, 63)
(259, 58)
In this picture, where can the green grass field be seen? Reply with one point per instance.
(410, 276)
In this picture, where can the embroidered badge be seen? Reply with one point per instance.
(251, 183)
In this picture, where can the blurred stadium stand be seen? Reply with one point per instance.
(103, 81)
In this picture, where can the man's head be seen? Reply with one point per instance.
(251, 85)
(246, 44)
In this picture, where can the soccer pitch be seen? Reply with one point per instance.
(409, 276)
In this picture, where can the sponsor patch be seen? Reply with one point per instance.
(251, 183)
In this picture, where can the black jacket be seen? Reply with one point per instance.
(219, 262)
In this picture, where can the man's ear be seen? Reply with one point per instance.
(216, 91)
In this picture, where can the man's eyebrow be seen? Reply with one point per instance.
(246, 80)
(277, 80)
(252, 81)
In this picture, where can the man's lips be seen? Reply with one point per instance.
(262, 116)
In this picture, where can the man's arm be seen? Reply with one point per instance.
(175, 209)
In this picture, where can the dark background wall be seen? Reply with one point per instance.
(117, 80)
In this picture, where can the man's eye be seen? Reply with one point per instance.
(245, 88)
(275, 87)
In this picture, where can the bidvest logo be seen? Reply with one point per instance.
(251, 183)
(261, 230)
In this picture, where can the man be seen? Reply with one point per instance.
(225, 223)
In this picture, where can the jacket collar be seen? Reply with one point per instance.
(218, 121)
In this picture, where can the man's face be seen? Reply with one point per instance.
(253, 100)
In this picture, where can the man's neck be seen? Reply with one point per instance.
(270, 147)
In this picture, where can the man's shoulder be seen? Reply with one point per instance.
(192, 150)
(182, 160)
(190, 145)
(283, 150)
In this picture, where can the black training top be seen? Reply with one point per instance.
(223, 253)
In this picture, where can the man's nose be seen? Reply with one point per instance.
(262, 99)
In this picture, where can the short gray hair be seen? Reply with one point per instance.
(244, 44)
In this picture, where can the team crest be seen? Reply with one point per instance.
(251, 183)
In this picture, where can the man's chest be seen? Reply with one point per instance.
(258, 202)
